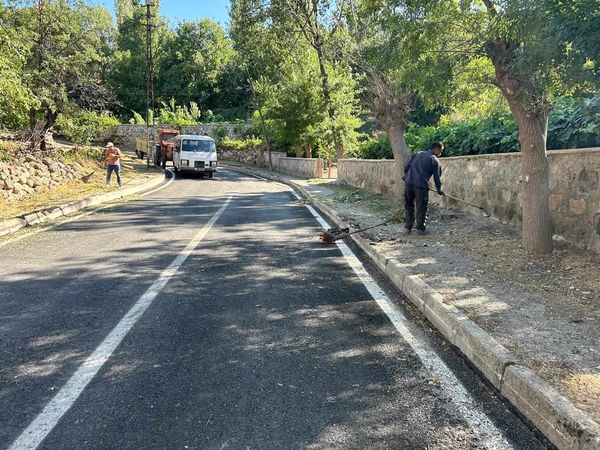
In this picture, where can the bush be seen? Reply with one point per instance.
(573, 123)
(240, 145)
(82, 127)
(376, 148)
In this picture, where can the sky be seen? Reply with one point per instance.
(175, 10)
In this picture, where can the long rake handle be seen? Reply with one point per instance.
(460, 200)
(368, 228)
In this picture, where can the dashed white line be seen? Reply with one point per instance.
(43, 424)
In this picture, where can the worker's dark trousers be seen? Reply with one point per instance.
(419, 196)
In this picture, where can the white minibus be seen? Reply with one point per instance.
(194, 153)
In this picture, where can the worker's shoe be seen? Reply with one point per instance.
(423, 232)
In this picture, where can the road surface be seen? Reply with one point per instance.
(207, 315)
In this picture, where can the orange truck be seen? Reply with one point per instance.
(162, 151)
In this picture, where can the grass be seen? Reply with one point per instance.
(76, 189)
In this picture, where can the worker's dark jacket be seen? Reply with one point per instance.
(420, 168)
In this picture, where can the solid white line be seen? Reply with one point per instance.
(41, 426)
(171, 179)
(489, 434)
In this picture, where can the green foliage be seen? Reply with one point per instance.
(177, 115)
(137, 119)
(51, 55)
(236, 144)
(377, 147)
(15, 97)
(82, 127)
(573, 123)
(221, 133)
(197, 56)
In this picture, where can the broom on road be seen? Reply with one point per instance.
(336, 233)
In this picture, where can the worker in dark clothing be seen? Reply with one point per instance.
(417, 172)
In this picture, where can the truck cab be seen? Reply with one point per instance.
(164, 147)
(194, 153)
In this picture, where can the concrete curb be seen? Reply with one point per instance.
(11, 226)
(556, 417)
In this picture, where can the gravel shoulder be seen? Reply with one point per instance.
(543, 309)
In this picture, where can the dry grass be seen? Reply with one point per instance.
(133, 171)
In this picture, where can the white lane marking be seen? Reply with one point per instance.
(41, 426)
(171, 179)
(77, 217)
(489, 434)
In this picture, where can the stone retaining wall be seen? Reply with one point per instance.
(21, 178)
(299, 167)
(493, 181)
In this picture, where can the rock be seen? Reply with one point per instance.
(17, 188)
(47, 161)
(53, 168)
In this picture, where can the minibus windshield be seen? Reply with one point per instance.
(197, 145)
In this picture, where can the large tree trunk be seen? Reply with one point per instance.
(535, 174)
(531, 115)
(396, 132)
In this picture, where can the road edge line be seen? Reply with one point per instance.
(555, 416)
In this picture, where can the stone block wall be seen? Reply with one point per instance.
(32, 175)
(300, 167)
(494, 182)
(375, 175)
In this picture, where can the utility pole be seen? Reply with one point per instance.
(150, 106)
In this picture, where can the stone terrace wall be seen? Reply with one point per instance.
(376, 175)
(126, 134)
(300, 167)
(32, 175)
(494, 182)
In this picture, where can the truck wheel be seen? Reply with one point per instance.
(210, 175)
(163, 162)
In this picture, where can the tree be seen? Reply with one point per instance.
(63, 61)
(311, 17)
(15, 98)
(127, 76)
(398, 49)
(532, 64)
(195, 58)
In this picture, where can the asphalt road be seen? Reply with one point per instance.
(253, 336)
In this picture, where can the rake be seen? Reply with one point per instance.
(336, 233)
